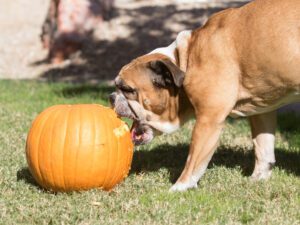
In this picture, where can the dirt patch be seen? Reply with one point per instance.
(135, 28)
(20, 24)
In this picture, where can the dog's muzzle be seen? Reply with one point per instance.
(120, 104)
(141, 133)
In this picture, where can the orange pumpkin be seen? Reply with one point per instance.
(78, 147)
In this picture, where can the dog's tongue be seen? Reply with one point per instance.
(135, 136)
(132, 129)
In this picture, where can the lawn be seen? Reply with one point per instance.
(225, 194)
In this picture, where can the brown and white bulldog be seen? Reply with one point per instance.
(243, 62)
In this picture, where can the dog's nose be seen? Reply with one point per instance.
(112, 98)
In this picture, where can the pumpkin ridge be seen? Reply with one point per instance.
(98, 132)
(71, 170)
(120, 159)
(48, 113)
(118, 164)
(97, 113)
(127, 167)
(78, 147)
(129, 156)
(94, 144)
(91, 163)
(109, 155)
(39, 147)
(55, 116)
(95, 172)
(64, 147)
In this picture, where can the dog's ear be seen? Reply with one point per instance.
(168, 73)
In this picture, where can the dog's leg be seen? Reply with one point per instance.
(263, 133)
(203, 145)
(213, 98)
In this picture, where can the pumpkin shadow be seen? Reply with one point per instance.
(173, 159)
(24, 175)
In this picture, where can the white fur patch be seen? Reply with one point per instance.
(183, 186)
(191, 183)
(164, 127)
(167, 51)
(199, 172)
(264, 150)
(183, 37)
(193, 180)
(181, 41)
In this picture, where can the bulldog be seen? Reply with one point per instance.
(244, 62)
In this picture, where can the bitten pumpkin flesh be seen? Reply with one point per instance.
(78, 147)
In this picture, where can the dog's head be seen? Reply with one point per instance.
(147, 91)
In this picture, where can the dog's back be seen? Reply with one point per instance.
(259, 41)
(271, 28)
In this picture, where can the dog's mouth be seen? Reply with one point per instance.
(141, 133)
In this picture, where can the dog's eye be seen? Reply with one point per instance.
(128, 90)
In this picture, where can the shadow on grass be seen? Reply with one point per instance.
(288, 125)
(94, 91)
(25, 175)
(173, 158)
(289, 121)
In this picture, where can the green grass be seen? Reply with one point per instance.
(225, 194)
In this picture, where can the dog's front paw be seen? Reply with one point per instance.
(262, 171)
(261, 175)
(179, 186)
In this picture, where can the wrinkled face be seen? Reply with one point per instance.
(147, 92)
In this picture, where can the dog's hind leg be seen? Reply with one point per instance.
(263, 128)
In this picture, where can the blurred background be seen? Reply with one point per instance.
(88, 41)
